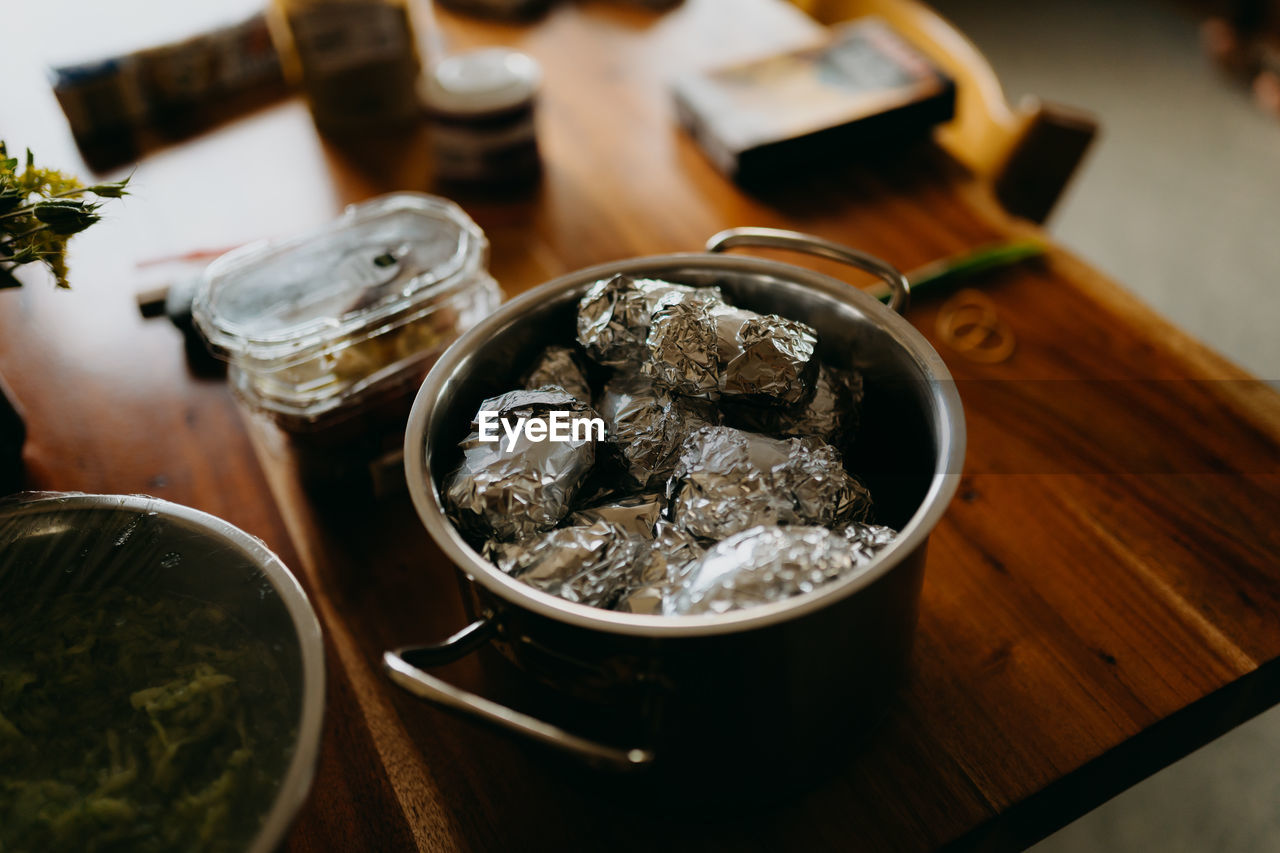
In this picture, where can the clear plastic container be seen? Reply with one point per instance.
(330, 333)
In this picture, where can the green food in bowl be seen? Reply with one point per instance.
(139, 722)
(161, 680)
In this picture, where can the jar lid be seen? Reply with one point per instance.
(481, 81)
(275, 304)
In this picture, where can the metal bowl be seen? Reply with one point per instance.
(90, 542)
(831, 656)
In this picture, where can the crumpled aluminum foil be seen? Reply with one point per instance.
(588, 563)
(867, 539)
(769, 563)
(671, 551)
(666, 549)
(560, 367)
(771, 358)
(727, 480)
(681, 350)
(779, 516)
(830, 413)
(678, 545)
(614, 316)
(703, 348)
(518, 491)
(638, 514)
(648, 425)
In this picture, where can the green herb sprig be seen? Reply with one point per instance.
(40, 210)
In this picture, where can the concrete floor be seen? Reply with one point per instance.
(1180, 202)
(1180, 197)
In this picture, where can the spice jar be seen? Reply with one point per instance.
(329, 334)
(355, 60)
(481, 104)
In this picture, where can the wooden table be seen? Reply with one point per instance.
(1101, 597)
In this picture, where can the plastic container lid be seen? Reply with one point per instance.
(271, 305)
(317, 327)
(481, 81)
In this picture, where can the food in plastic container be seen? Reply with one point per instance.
(330, 333)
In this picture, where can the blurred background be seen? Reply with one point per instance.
(1179, 199)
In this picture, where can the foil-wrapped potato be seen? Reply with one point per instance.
(587, 563)
(769, 563)
(727, 480)
(515, 487)
(830, 412)
(704, 348)
(671, 551)
(638, 514)
(614, 316)
(559, 367)
(648, 425)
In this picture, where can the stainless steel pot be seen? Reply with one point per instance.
(764, 685)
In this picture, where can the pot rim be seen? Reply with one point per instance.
(430, 508)
(295, 784)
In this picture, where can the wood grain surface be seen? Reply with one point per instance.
(1100, 598)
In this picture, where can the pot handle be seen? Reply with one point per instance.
(778, 238)
(405, 666)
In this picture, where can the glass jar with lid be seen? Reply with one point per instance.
(330, 333)
(481, 104)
